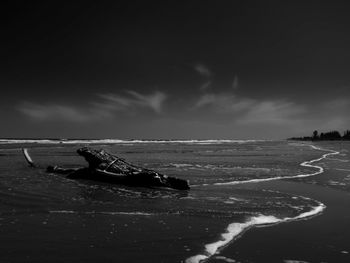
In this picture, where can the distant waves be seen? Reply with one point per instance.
(118, 141)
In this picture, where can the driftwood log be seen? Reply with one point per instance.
(109, 168)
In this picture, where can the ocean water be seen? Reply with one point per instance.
(48, 218)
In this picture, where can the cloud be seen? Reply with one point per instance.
(224, 102)
(205, 86)
(96, 110)
(274, 117)
(250, 111)
(133, 100)
(153, 101)
(55, 112)
(203, 70)
(114, 101)
(272, 112)
(206, 73)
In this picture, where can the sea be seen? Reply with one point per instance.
(237, 188)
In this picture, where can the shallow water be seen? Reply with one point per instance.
(45, 217)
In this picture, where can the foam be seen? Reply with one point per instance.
(340, 160)
(63, 212)
(335, 183)
(100, 213)
(234, 230)
(181, 165)
(346, 170)
(304, 164)
(214, 167)
(118, 141)
(294, 261)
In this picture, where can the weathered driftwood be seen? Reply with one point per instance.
(109, 168)
(27, 156)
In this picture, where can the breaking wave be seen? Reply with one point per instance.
(100, 213)
(118, 141)
(304, 164)
(234, 230)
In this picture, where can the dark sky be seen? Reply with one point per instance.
(174, 69)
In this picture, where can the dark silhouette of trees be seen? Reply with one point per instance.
(322, 136)
(332, 135)
(346, 135)
(327, 136)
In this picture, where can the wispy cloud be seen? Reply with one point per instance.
(224, 102)
(272, 112)
(54, 112)
(105, 106)
(205, 86)
(203, 70)
(153, 101)
(248, 111)
(275, 116)
(133, 99)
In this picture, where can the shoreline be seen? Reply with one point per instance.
(235, 231)
(320, 239)
(220, 236)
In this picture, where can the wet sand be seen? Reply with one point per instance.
(324, 238)
(36, 225)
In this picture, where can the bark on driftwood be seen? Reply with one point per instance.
(109, 168)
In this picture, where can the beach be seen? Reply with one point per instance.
(320, 239)
(250, 201)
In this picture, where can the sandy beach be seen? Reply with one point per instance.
(236, 187)
(323, 238)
